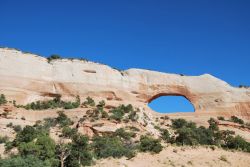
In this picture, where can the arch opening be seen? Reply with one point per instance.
(173, 103)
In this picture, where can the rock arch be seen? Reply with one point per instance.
(159, 95)
(28, 77)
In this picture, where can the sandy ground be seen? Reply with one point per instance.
(182, 156)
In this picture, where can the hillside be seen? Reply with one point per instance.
(68, 112)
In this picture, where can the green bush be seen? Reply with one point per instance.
(194, 136)
(221, 118)
(69, 132)
(149, 144)
(3, 139)
(165, 134)
(237, 120)
(133, 115)
(80, 154)
(52, 104)
(213, 125)
(2, 99)
(117, 114)
(104, 114)
(9, 125)
(28, 161)
(53, 57)
(178, 123)
(101, 104)
(28, 134)
(49, 122)
(237, 143)
(17, 128)
(188, 134)
(111, 146)
(123, 134)
(89, 101)
(63, 120)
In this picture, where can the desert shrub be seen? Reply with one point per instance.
(237, 142)
(2, 99)
(28, 134)
(126, 108)
(194, 136)
(43, 148)
(101, 104)
(110, 146)
(63, 120)
(8, 145)
(123, 134)
(9, 125)
(52, 104)
(117, 114)
(221, 118)
(165, 134)
(3, 139)
(186, 136)
(89, 101)
(135, 129)
(34, 141)
(150, 144)
(213, 125)
(49, 122)
(187, 133)
(69, 132)
(53, 57)
(237, 120)
(28, 161)
(178, 123)
(133, 115)
(244, 86)
(80, 154)
(104, 114)
(17, 128)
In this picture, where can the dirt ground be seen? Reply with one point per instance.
(182, 157)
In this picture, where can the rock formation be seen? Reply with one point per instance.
(27, 77)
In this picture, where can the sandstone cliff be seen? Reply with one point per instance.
(27, 77)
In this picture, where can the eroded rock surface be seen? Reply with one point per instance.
(27, 77)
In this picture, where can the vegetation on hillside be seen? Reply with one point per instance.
(51, 104)
(187, 133)
(2, 99)
(53, 57)
(35, 146)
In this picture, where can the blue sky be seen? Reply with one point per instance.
(189, 37)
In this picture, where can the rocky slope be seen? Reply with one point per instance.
(27, 78)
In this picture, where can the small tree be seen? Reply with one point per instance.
(89, 101)
(53, 57)
(213, 125)
(149, 144)
(63, 151)
(178, 123)
(2, 99)
(237, 120)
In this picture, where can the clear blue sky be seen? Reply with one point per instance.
(191, 37)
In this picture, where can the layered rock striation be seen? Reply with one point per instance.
(27, 77)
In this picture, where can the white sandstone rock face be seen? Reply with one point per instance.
(27, 77)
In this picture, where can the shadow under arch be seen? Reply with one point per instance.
(159, 95)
